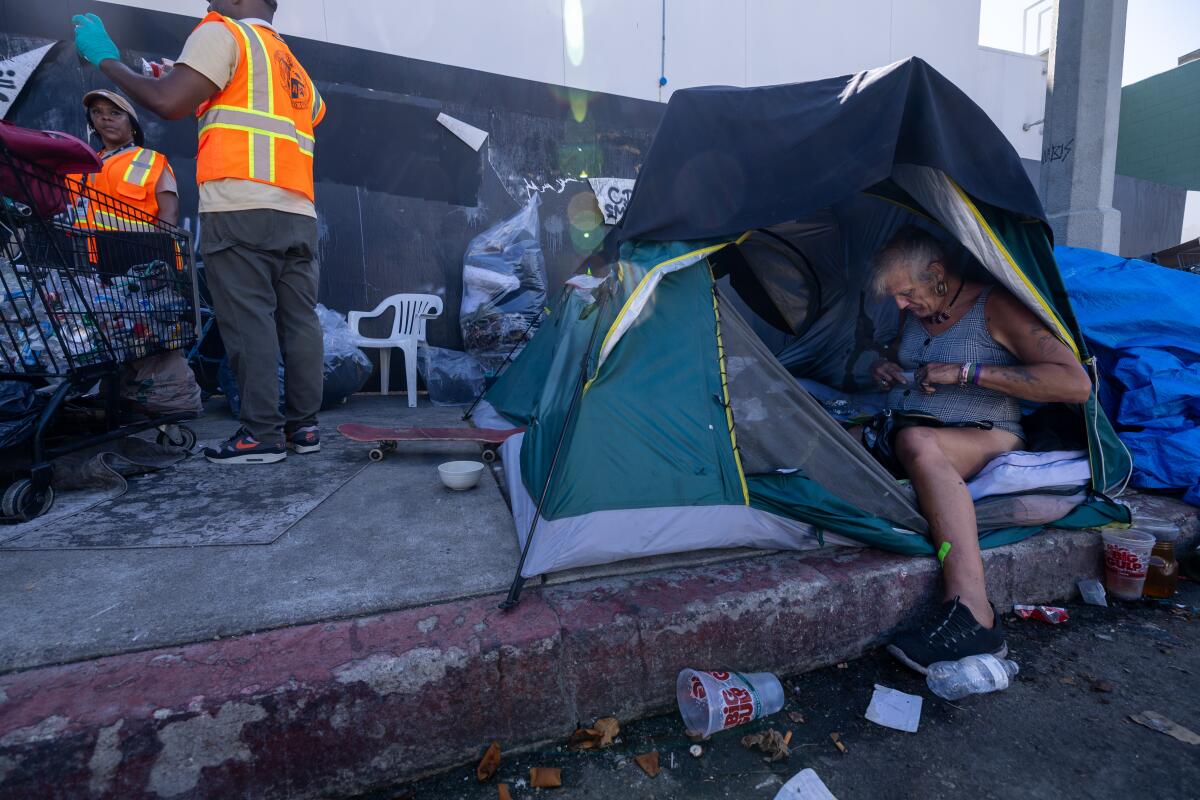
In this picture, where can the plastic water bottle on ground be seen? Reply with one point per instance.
(954, 680)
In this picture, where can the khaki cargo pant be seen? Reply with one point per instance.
(262, 270)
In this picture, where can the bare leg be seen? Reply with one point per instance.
(938, 460)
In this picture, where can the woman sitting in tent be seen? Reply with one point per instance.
(967, 353)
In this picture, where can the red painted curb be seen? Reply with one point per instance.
(337, 708)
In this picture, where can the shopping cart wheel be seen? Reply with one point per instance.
(23, 502)
(180, 436)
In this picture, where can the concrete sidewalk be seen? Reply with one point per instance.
(390, 537)
(364, 646)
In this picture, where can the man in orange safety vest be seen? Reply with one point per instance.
(257, 110)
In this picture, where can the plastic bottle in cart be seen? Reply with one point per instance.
(954, 680)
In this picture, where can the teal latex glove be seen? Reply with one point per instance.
(92, 40)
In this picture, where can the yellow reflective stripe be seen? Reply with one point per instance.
(104, 220)
(318, 102)
(1062, 331)
(139, 170)
(305, 147)
(258, 68)
(737, 456)
(267, 74)
(250, 113)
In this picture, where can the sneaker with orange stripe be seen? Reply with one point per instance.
(242, 448)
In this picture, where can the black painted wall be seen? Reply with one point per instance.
(399, 196)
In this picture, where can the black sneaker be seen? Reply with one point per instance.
(305, 440)
(952, 633)
(242, 448)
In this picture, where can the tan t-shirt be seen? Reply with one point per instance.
(212, 51)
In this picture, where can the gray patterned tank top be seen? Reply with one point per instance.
(966, 340)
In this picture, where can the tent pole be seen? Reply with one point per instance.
(514, 591)
(524, 338)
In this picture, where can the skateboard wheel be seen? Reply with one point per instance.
(376, 454)
(489, 455)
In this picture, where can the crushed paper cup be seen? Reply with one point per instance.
(1051, 614)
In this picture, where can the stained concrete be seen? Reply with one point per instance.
(390, 538)
(334, 708)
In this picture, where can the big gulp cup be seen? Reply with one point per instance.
(711, 701)
(1126, 558)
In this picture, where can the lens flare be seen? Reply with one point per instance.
(573, 30)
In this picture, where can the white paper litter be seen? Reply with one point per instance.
(893, 709)
(474, 137)
(805, 785)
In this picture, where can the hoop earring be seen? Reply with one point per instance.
(941, 289)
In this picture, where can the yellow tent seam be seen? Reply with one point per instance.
(1063, 333)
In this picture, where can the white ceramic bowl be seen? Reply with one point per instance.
(460, 475)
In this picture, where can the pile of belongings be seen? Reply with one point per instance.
(504, 287)
(59, 319)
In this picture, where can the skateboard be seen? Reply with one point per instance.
(388, 438)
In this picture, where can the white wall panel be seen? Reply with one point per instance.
(622, 46)
(942, 32)
(791, 41)
(523, 39)
(706, 43)
(296, 17)
(732, 42)
(1012, 90)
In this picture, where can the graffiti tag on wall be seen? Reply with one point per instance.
(612, 195)
(1058, 152)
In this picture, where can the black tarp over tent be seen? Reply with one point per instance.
(773, 154)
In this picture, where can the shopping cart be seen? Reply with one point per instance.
(88, 284)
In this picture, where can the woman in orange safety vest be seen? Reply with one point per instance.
(138, 178)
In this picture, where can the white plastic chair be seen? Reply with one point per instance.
(412, 311)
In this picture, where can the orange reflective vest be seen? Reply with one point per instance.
(260, 126)
(121, 196)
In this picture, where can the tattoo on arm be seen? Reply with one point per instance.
(1016, 375)
(1047, 343)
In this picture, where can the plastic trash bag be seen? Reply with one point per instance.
(504, 283)
(345, 368)
(453, 378)
(20, 407)
(162, 384)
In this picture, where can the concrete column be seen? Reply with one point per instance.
(1083, 108)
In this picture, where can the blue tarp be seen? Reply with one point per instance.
(1143, 323)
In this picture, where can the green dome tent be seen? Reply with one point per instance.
(658, 419)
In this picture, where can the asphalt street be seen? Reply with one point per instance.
(1062, 730)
